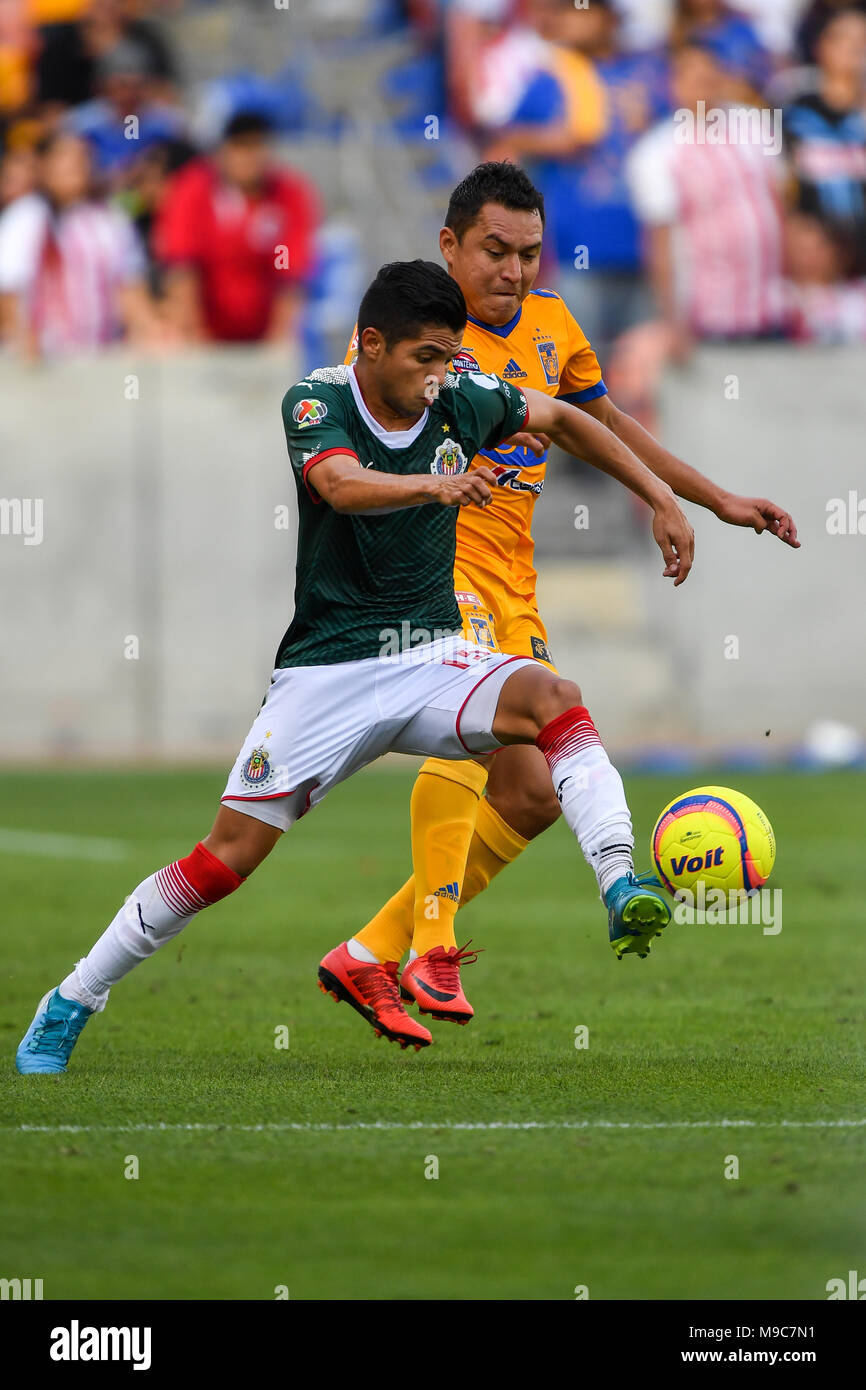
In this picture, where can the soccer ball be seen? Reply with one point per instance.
(716, 837)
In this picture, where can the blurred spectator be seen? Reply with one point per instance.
(823, 306)
(67, 70)
(491, 57)
(713, 220)
(591, 226)
(17, 174)
(557, 106)
(775, 22)
(237, 237)
(17, 50)
(145, 193)
(826, 133)
(815, 19)
(124, 120)
(71, 268)
(645, 23)
(729, 35)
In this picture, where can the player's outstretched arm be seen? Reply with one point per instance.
(687, 482)
(340, 481)
(578, 434)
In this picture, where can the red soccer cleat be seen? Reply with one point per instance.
(433, 982)
(372, 990)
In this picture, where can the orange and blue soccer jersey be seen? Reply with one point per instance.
(542, 347)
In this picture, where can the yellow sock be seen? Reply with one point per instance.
(444, 803)
(494, 845)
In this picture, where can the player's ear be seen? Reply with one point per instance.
(447, 245)
(372, 344)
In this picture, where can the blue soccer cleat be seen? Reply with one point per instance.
(47, 1045)
(635, 914)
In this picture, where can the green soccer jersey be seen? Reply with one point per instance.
(374, 583)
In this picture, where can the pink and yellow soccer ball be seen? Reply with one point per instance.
(715, 836)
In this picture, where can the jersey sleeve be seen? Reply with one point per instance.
(315, 424)
(581, 379)
(489, 408)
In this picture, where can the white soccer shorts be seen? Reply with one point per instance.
(319, 724)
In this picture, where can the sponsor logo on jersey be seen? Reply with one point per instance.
(449, 459)
(510, 477)
(463, 361)
(309, 412)
(257, 770)
(541, 652)
(546, 349)
(512, 370)
(467, 596)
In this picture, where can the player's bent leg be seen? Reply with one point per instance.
(443, 808)
(520, 791)
(241, 840)
(153, 914)
(592, 797)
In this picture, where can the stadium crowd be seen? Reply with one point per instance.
(665, 226)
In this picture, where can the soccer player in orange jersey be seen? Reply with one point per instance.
(461, 838)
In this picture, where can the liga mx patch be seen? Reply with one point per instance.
(258, 770)
(549, 360)
(309, 412)
(540, 650)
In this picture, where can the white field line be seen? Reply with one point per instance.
(280, 1127)
(53, 846)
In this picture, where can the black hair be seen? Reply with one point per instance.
(247, 123)
(494, 182)
(407, 296)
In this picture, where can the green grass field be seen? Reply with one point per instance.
(622, 1188)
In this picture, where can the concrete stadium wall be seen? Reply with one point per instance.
(760, 637)
(160, 526)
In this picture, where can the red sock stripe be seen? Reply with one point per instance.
(567, 734)
(195, 882)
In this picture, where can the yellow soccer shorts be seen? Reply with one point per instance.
(495, 617)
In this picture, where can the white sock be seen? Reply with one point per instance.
(358, 951)
(159, 908)
(591, 794)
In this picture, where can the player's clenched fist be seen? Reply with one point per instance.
(465, 489)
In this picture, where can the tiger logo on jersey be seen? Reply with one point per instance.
(449, 459)
(549, 360)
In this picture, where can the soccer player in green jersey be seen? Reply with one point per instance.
(374, 659)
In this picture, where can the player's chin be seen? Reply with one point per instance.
(501, 308)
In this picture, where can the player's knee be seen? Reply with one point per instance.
(240, 841)
(529, 808)
(554, 698)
